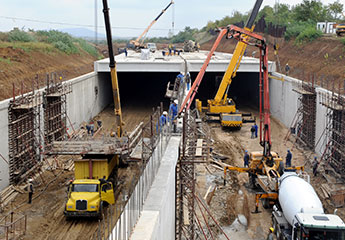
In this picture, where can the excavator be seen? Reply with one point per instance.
(221, 105)
(138, 43)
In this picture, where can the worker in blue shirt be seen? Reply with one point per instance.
(181, 77)
(163, 119)
(246, 159)
(288, 158)
(173, 110)
(173, 113)
(188, 80)
(256, 130)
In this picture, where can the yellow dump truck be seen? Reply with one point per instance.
(93, 187)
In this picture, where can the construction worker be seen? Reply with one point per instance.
(246, 158)
(188, 80)
(288, 158)
(173, 109)
(92, 128)
(30, 190)
(275, 47)
(126, 53)
(170, 49)
(287, 69)
(180, 76)
(163, 119)
(173, 113)
(88, 128)
(256, 129)
(315, 165)
(252, 130)
(270, 235)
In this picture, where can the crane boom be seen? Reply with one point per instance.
(137, 42)
(265, 121)
(113, 73)
(230, 73)
(194, 89)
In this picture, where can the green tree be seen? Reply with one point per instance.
(311, 10)
(336, 9)
(268, 13)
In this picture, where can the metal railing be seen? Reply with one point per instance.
(13, 226)
(120, 219)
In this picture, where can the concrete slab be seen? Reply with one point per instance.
(157, 220)
(193, 61)
(145, 228)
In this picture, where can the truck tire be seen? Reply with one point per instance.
(277, 230)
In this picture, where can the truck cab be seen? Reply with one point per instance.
(318, 226)
(152, 47)
(340, 29)
(87, 197)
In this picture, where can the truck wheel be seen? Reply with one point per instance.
(276, 229)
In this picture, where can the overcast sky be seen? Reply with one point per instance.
(131, 16)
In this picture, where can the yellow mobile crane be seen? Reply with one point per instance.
(222, 105)
(138, 43)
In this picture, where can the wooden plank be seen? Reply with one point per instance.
(198, 152)
(199, 143)
(324, 192)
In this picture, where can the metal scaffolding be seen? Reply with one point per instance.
(55, 111)
(24, 134)
(194, 149)
(334, 152)
(304, 121)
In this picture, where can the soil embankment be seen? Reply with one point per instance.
(323, 59)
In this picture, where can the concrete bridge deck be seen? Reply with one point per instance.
(192, 60)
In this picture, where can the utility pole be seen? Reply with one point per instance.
(96, 15)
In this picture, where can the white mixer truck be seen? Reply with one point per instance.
(300, 215)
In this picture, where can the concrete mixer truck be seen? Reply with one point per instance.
(299, 213)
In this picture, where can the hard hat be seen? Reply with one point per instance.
(315, 157)
(60, 78)
(176, 101)
(288, 150)
(165, 113)
(30, 180)
(271, 229)
(246, 151)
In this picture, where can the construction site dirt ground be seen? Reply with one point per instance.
(45, 214)
(236, 198)
(45, 218)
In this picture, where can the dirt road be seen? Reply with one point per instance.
(236, 198)
(45, 214)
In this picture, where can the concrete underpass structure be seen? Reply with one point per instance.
(91, 93)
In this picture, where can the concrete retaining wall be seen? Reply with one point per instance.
(284, 104)
(83, 103)
(157, 220)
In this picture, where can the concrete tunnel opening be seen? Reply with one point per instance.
(145, 90)
(244, 89)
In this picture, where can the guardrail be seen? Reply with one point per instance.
(13, 226)
(119, 219)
